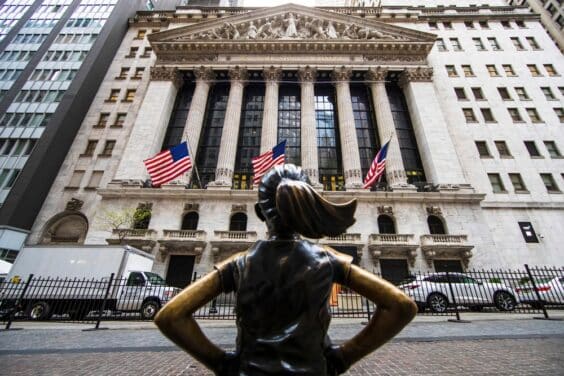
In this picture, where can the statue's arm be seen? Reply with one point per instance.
(176, 322)
(394, 311)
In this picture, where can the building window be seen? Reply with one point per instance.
(534, 115)
(522, 93)
(451, 71)
(123, 73)
(95, 179)
(492, 70)
(560, 113)
(478, 94)
(238, 222)
(142, 216)
(469, 25)
(504, 93)
(533, 43)
(120, 120)
(483, 150)
(141, 34)
(528, 232)
(114, 95)
(147, 52)
(517, 182)
(328, 139)
(493, 44)
(468, 72)
(365, 125)
(502, 149)
(90, 147)
(447, 25)
(552, 149)
(479, 44)
(488, 115)
(436, 225)
(178, 116)
(433, 26)
(132, 52)
(129, 95)
(497, 184)
(108, 148)
(517, 44)
(534, 70)
(484, 24)
(441, 46)
(506, 24)
(190, 221)
(515, 115)
(102, 120)
(460, 93)
(521, 24)
(76, 178)
(469, 115)
(250, 127)
(289, 120)
(549, 183)
(547, 91)
(532, 149)
(550, 70)
(386, 224)
(455, 43)
(3, 175)
(509, 72)
(138, 73)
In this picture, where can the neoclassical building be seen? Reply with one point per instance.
(463, 115)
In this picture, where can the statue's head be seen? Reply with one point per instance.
(290, 205)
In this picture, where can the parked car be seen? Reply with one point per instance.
(550, 290)
(433, 292)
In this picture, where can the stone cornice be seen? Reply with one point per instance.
(307, 74)
(377, 74)
(342, 74)
(166, 74)
(272, 74)
(204, 74)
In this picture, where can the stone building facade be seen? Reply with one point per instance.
(470, 98)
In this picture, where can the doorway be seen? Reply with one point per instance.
(180, 268)
(394, 270)
(454, 266)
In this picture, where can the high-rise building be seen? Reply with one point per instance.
(471, 98)
(53, 55)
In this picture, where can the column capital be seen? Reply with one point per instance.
(166, 74)
(376, 74)
(420, 74)
(307, 74)
(272, 73)
(204, 74)
(342, 74)
(238, 74)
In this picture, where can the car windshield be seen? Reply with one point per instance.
(155, 279)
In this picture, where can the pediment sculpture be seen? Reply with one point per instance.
(290, 26)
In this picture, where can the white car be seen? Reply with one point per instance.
(551, 291)
(433, 292)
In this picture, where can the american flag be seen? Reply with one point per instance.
(377, 168)
(266, 161)
(169, 164)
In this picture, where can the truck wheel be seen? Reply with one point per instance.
(149, 309)
(39, 311)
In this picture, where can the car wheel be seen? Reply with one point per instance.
(438, 303)
(39, 311)
(149, 309)
(504, 301)
(476, 308)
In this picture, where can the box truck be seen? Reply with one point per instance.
(75, 280)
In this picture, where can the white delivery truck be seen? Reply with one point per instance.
(74, 280)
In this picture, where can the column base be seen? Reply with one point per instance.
(455, 188)
(403, 187)
(129, 183)
(219, 185)
(175, 184)
(354, 186)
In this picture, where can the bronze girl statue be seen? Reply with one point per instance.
(283, 286)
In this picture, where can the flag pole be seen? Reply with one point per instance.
(194, 164)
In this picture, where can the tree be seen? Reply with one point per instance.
(121, 221)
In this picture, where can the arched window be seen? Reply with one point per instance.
(436, 225)
(238, 222)
(190, 221)
(65, 228)
(386, 224)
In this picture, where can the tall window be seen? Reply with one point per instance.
(328, 140)
(406, 135)
(436, 225)
(190, 221)
(238, 222)
(289, 120)
(179, 115)
(248, 146)
(208, 150)
(365, 126)
(386, 224)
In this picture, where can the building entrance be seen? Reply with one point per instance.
(180, 268)
(394, 270)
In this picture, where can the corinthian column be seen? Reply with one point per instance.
(310, 164)
(230, 133)
(193, 127)
(347, 130)
(395, 171)
(269, 134)
(150, 124)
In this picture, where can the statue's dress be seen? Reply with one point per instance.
(282, 289)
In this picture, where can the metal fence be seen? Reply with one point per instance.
(530, 290)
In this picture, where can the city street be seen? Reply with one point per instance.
(510, 346)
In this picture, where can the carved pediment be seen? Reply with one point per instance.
(289, 28)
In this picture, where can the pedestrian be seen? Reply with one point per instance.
(283, 286)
